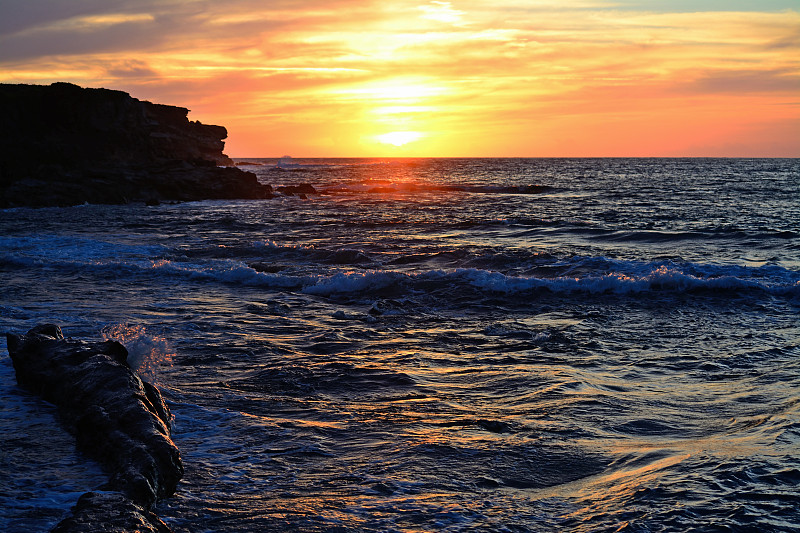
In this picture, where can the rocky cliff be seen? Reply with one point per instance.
(61, 144)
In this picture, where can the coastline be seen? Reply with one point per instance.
(63, 145)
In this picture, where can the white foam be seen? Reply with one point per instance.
(146, 352)
(231, 272)
(659, 278)
(356, 282)
(597, 274)
(633, 278)
(48, 248)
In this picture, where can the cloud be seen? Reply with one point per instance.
(23, 15)
(694, 6)
(66, 41)
(505, 69)
(442, 12)
(49, 28)
(130, 69)
(747, 81)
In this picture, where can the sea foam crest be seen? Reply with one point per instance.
(599, 274)
(43, 248)
(633, 279)
(357, 282)
(232, 272)
(146, 351)
(660, 278)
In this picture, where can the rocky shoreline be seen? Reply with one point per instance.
(63, 145)
(117, 419)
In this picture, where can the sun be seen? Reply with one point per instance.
(399, 138)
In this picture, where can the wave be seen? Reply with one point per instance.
(146, 352)
(330, 272)
(48, 247)
(657, 278)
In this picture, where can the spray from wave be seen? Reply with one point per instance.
(146, 352)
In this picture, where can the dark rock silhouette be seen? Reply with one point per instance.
(101, 512)
(299, 190)
(117, 419)
(61, 145)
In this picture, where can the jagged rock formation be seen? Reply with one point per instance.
(297, 190)
(118, 419)
(61, 144)
(110, 512)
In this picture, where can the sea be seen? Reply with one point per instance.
(436, 345)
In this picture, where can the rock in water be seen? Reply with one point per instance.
(110, 512)
(62, 145)
(303, 188)
(118, 419)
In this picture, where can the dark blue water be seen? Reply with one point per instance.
(438, 345)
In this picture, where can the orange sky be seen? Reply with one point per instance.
(437, 78)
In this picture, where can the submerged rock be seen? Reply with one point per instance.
(61, 145)
(110, 512)
(299, 190)
(117, 419)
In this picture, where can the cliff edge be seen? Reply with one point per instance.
(62, 145)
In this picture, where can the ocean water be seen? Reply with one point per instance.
(502, 345)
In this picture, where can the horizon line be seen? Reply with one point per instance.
(526, 157)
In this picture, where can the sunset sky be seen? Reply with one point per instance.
(437, 78)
